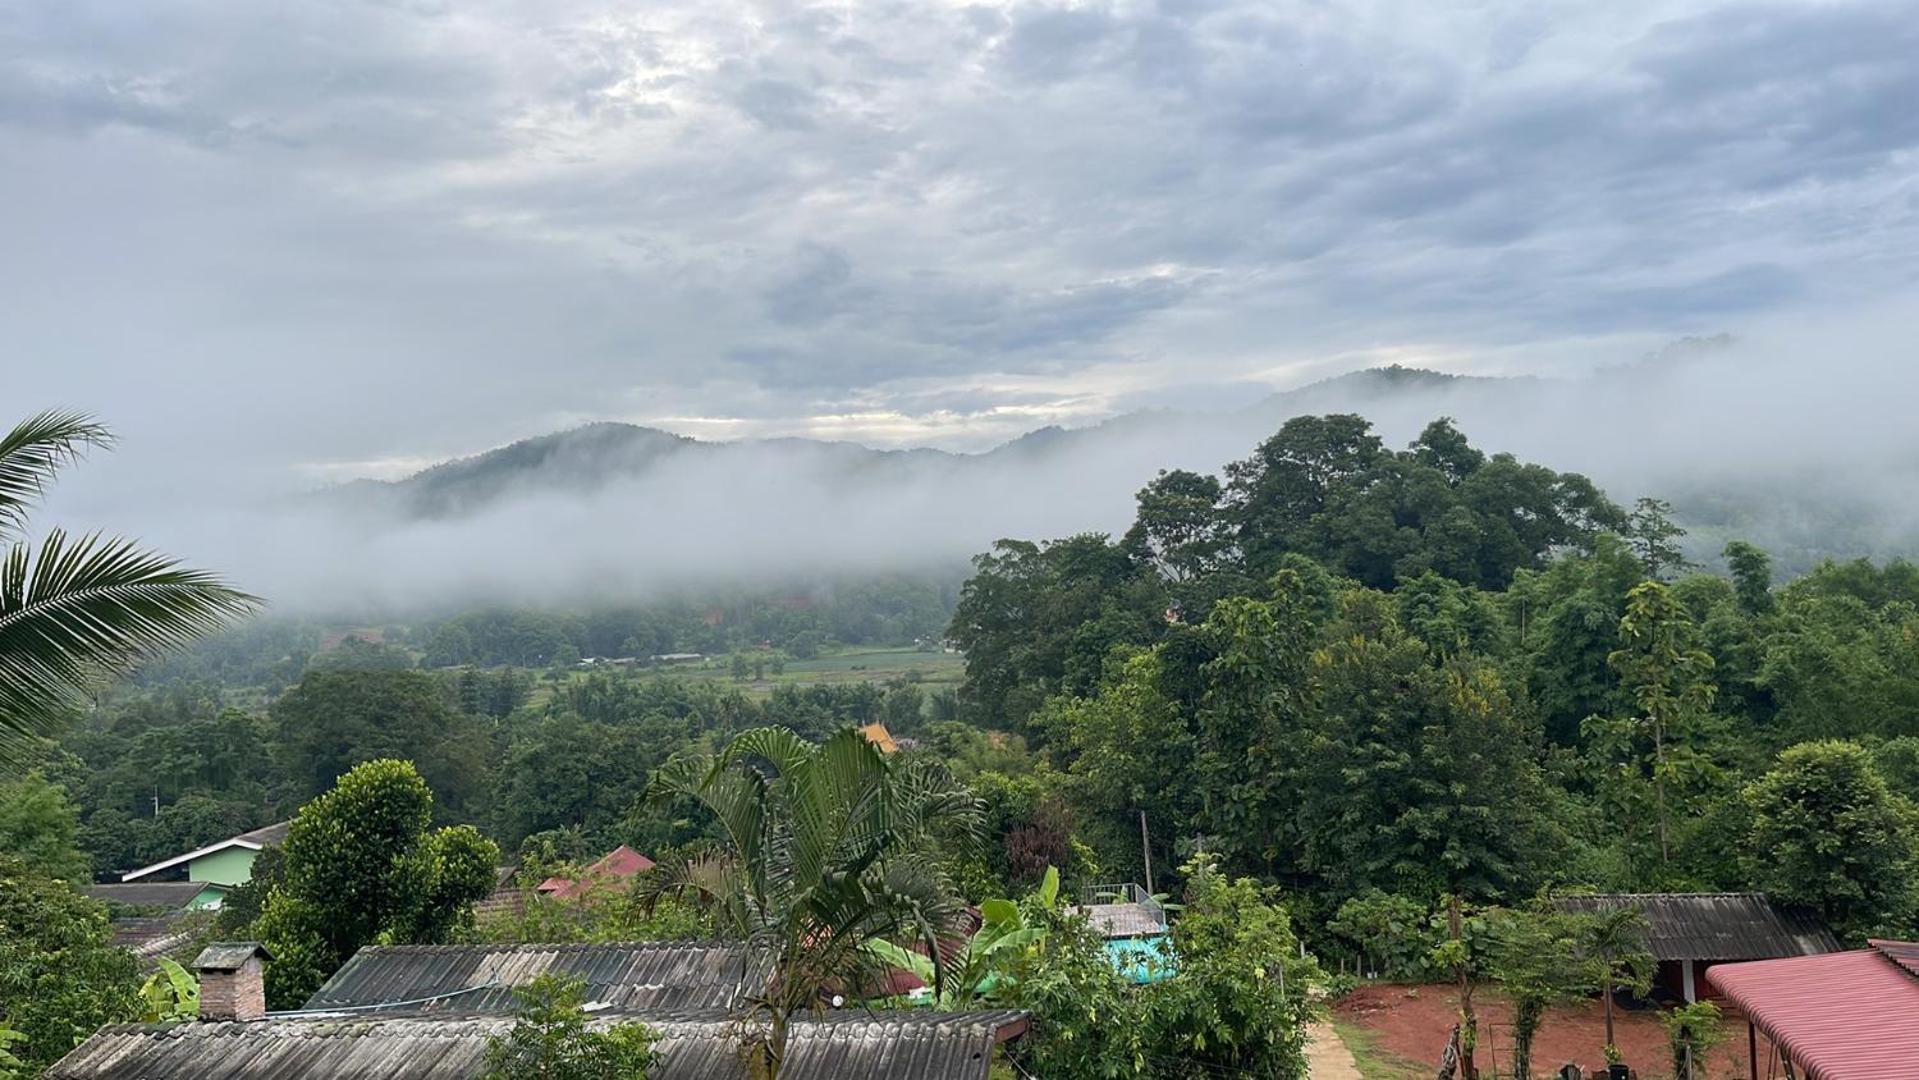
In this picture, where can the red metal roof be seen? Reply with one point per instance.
(1841, 1016)
(1903, 953)
(617, 865)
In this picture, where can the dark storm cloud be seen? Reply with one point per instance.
(354, 235)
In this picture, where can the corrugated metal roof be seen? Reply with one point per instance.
(1903, 953)
(1841, 1016)
(267, 835)
(1122, 920)
(1715, 926)
(839, 1046)
(147, 938)
(172, 895)
(636, 975)
(620, 864)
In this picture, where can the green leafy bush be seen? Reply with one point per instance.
(551, 1039)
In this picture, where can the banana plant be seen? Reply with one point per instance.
(977, 968)
(171, 993)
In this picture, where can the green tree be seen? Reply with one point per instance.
(1655, 539)
(76, 611)
(39, 826)
(1250, 716)
(1535, 960)
(827, 846)
(1239, 1002)
(1418, 777)
(1177, 527)
(60, 975)
(1127, 749)
(1691, 1032)
(1828, 833)
(334, 720)
(362, 866)
(551, 1039)
(1613, 941)
(1390, 932)
(1670, 678)
(1751, 577)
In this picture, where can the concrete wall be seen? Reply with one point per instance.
(231, 866)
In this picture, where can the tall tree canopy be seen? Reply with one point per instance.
(361, 863)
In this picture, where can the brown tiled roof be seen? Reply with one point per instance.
(1715, 926)
(633, 975)
(848, 1045)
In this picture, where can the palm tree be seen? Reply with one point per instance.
(1614, 942)
(826, 847)
(76, 610)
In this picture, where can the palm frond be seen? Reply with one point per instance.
(77, 611)
(33, 451)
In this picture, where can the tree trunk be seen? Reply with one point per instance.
(1659, 786)
(1607, 994)
(1469, 1023)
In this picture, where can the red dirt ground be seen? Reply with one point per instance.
(1415, 1021)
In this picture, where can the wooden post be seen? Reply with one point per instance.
(1146, 850)
(1752, 1050)
(1685, 975)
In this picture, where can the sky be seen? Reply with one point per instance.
(334, 239)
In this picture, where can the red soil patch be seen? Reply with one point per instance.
(1415, 1022)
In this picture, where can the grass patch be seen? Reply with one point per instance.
(1374, 1061)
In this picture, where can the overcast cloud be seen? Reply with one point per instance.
(288, 242)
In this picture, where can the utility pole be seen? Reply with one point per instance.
(1146, 850)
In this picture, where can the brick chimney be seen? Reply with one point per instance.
(233, 981)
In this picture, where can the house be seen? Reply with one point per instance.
(620, 865)
(877, 734)
(1689, 932)
(1134, 926)
(217, 867)
(419, 1036)
(508, 895)
(150, 918)
(481, 978)
(1832, 1016)
(894, 1045)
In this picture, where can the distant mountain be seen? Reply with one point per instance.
(591, 458)
(1652, 427)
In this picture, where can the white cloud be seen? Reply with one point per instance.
(356, 231)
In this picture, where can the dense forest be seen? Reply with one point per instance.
(1371, 680)
(1361, 672)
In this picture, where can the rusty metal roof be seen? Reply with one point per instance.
(1841, 1016)
(1715, 926)
(905, 1045)
(634, 975)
